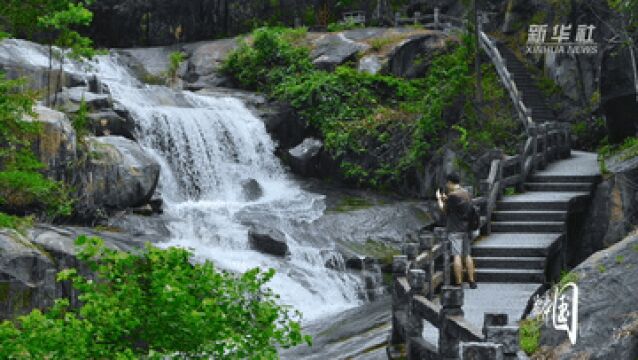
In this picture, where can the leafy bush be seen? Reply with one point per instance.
(377, 127)
(15, 222)
(158, 305)
(23, 189)
(175, 59)
(270, 59)
(28, 191)
(530, 335)
(80, 120)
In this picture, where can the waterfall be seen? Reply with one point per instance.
(206, 147)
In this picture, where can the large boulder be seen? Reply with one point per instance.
(205, 60)
(331, 50)
(108, 122)
(607, 308)
(29, 263)
(29, 60)
(411, 57)
(27, 275)
(304, 159)
(56, 145)
(70, 99)
(118, 174)
(268, 240)
(251, 190)
(613, 212)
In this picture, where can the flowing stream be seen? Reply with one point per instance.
(207, 146)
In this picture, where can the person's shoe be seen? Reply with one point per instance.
(473, 285)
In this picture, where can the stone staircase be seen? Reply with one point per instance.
(527, 228)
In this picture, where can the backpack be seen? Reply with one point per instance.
(473, 217)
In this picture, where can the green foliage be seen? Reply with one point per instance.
(625, 151)
(567, 277)
(343, 26)
(22, 187)
(620, 259)
(80, 120)
(63, 17)
(377, 127)
(269, 60)
(15, 222)
(529, 335)
(601, 268)
(548, 86)
(175, 59)
(509, 191)
(351, 203)
(30, 191)
(158, 305)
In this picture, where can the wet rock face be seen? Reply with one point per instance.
(24, 271)
(268, 240)
(613, 212)
(108, 122)
(56, 145)
(304, 159)
(413, 57)
(118, 174)
(332, 50)
(29, 264)
(607, 308)
(251, 190)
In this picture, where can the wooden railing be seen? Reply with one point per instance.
(435, 20)
(354, 17)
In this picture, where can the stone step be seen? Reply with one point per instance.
(531, 205)
(508, 262)
(527, 226)
(516, 245)
(540, 178)
(568, 186)
(529, 216)
(510, 275)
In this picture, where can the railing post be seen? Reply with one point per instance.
(399, 268)
(496, 330)
(481, 351)
(451, 305)
(436, 17)
(397, 19)
(416, 17)
(441, 236)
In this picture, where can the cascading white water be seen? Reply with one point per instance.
(207, 146)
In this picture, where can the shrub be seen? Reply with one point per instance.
(15, 222)
(377, 127)
(175, 59)
(28, 191)
(268, 60)
(529, 335)
(155, 304)
(23, 189)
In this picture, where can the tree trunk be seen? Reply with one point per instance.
(48, 102)
(57, 86)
